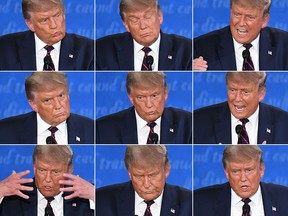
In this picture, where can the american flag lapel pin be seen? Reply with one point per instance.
(268, 130)
(78, 139)
(171, 130)
(71, 56)
(274, 209)
(170, 57)
(172, 210)
(74, 204)
(269, 52)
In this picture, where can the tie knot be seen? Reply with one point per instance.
(53, 129)
(149, 202)
(151, 124)
(49, 48)
(247, 46)
(244, 121)
(246, 201)
(49, 199)
(146, 50)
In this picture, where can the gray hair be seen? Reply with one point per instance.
(134, 5)
(44, 81)
(146, 156)
(53, 153)
(248, 77)
(145, 79)
(241, 153)
(29, 6)
(260, 4)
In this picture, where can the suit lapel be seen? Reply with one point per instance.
(29, 129)
(267, 202)
(30, 206)
(72, 128)
(265, 126)
(67, 54)
(129, 131)
(26, 51)
(127, 203)
(226, 50)
(222, 126)
(166, 56)
(169, 206)
(168, 133)
(223, 203)
(266, 50)
(125, 53)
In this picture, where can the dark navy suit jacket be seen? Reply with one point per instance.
(18, 52)
(121, 127)
(212, 125)
(119, 199)
(116, 52)
(22, 129)
(17, 206)
(216, 200)
(218, 50)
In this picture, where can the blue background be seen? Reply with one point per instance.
(19, 158)
(208, 169)
(14, 101)
(110, 167)
(79, 17)
(210, 15)
(177, 17)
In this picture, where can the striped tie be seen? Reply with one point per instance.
(244, 139)
(53, 130)
(247, 62)
(145, 66)
(48, 63)
(148, 211)
(151, 125)
(48, 208)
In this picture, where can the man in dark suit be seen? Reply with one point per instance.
(51, 120)
(148, 93)
(148, 167)
(224, 122)
(52, 168)
(244, 168)
(224, 49)
(126, 51)
(29, 50)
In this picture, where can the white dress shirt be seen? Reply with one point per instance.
(140, 205)
(251, 127)
(256, 204)
(61, 135)
(254, 53)
(56, 204)
(143, 129)
(41, 53)
(139, 54)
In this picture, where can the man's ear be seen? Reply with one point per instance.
(30, 25)
(33, 105)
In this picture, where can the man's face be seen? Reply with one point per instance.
(47, 176)
(150, 182)
(48, 25)
(246, 23)
(52, 106)
(243, 98)
(144, 25)
(244, 177)
(149, 102)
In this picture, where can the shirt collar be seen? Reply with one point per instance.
(252, 119)
(157, 201)
(57, 198)
(255, 198)
(141, 123)
(42, 126)
(154, 47)
(255, 44)
(40, 44)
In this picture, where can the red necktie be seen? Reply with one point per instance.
(244, 139)
(151, 125)
(246, 207)
(247, 62)
(48, 63)
(48, 208)
(148, 211)
(53, 130)
(145, 65)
